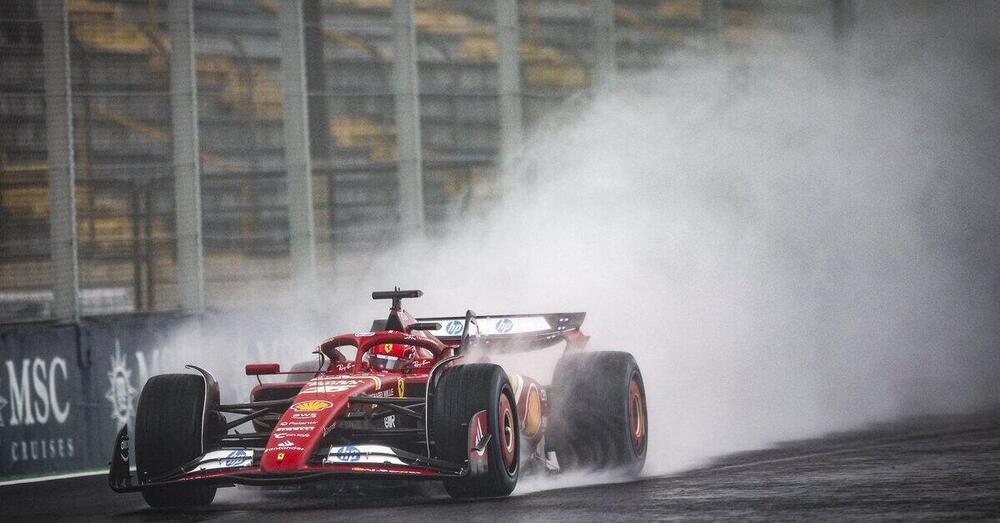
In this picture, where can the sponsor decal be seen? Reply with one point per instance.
(298, 423)
(311, 406)
(236, 458)
(41, 449)
(292, 435)
(284, 449)
(532, 417)
(292, 429)
(345, 454)
(363, 334)
(286, 443)
(123, 448)
(225, 459)
(121, 394)
(328, 387)
(478, 463)
(304, 415)
(376, 379)
(479, 432)
(378, 454)
(454, 327)
(339, 384)
(494, 326)
(34, 394)
(422, 363)
(504, 326)
(3, 403)
(38, 427)
(383, 470)
(400, 388)
(389, 421)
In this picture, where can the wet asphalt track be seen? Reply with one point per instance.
(938, 468)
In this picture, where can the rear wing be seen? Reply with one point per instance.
(510, 332)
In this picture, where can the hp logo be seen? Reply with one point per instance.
(454, 327)
(348, 454)
(504, 326)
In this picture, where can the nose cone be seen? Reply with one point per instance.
(302, 427)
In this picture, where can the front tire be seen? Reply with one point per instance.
(168, 434)
(598, 418)
(462, 392)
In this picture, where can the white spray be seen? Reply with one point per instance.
(784, 254)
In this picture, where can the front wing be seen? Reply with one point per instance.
(231, 466)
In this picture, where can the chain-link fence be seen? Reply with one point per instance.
(119, 55)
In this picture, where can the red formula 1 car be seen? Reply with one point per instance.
(419, 399)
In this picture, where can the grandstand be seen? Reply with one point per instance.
(122, 130)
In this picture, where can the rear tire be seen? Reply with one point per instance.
(598, 418)
(168, 434)
(462, 392)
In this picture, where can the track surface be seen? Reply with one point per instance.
(935, 468)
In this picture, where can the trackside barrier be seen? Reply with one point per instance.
(66, 389)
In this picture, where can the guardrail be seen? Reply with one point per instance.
(65, 390)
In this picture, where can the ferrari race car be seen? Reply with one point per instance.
(419, 399)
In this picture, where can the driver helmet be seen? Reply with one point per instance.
(391, 356)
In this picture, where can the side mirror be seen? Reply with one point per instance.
(260, 369)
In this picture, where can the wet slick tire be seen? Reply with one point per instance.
(461, 392)
(168, 434)
(598, 416)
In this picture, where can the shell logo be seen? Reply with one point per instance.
(311, 406)
(533, 413)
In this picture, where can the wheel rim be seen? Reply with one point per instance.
(637, 415)
(508, 434)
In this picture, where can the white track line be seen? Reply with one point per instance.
(797, 457)
(53, 477)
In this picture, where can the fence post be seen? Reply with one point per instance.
(509, 84)
(604, 41)
(713, 25)
(186, 159)
(62, 171)
(406, 90)
(298, 163)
